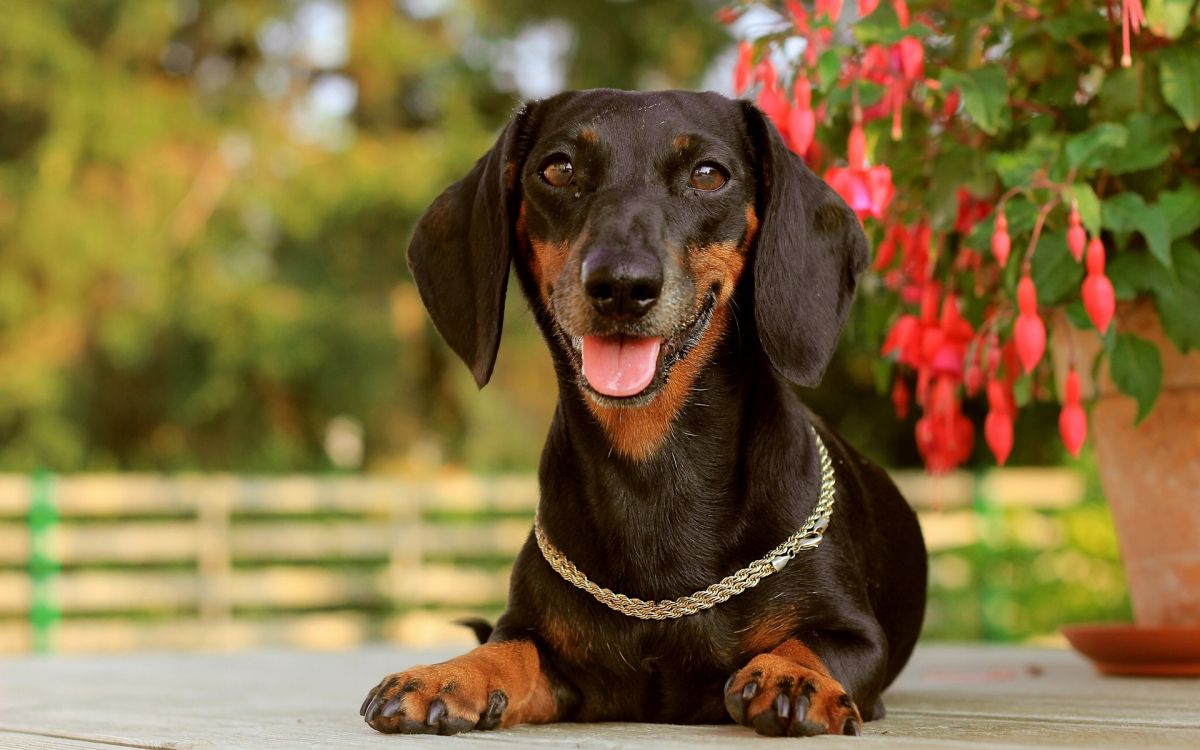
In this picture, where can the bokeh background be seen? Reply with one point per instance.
(222, 408)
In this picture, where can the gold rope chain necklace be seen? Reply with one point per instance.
(807, 537)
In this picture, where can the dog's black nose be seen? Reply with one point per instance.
(622, 285)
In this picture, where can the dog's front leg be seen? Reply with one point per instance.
(790, 691)
(498, 684)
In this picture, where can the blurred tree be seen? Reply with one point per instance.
(204, 207)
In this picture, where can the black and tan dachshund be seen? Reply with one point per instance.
(685, 270)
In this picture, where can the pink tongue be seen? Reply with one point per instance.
(620, 365)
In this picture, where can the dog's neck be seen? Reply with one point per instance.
(638, 523)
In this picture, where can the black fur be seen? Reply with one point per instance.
(738, 469)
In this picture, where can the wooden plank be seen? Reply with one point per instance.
(948, 529)
(14, 495)
(26, 741)
(316, 630)
(142, 541)
(945, 492)
(953, 697)
(1034, 487)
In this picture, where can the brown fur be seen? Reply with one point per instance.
(769, 632)
(544, 259)
(637, 432)
(466, 683)
(588, 135)
(797, 674)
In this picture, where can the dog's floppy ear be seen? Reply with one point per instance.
(808, 254)
(462, 248)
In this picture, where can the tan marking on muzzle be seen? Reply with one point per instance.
(637, 432)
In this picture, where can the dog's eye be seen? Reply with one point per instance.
(558, 172)
(707, 176)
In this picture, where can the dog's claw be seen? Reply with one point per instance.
(490, 718)
(376, 706)
(437, 709)
(749, 691)
(391, 708)
(852, 728)
(783, 707)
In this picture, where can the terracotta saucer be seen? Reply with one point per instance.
(1126, 649)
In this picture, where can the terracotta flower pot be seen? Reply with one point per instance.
(1150, 473)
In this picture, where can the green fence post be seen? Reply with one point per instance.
(43, 565)
(991, 527)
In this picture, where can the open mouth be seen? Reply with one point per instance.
(626, 370)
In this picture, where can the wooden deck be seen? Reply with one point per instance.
(949, 697)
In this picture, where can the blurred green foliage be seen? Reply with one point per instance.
(204, 208)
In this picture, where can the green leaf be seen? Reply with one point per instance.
(1065, 27)
(1121, 212)
(1182, 209)
(883, 27)
(1133, 274)
(1088, 150)
(1055, 272)
(985, 95)
(1136, 367)
(1149, 143)
(1179, 301)
(1128, 212)
(1016, 168)
(1168, 18)
(1152, 223)
(1089, 206)
(1179, 76)
(828, 67)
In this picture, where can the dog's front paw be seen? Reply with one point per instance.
(775, 696)
(440, 699)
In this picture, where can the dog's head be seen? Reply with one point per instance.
(632, 218)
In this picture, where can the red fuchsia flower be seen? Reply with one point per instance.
(897, 69)
(896, 235)
(904, 341)
(867, 7)
(915, 262)
(1098, 297)
(901, 8)
(744, 67)
(771, 99)
(1132, 15)
(950, 105)
(973, 379)
(1001, 242)
(1029, 333)
(970, 212)
(802, 122)
(1076, 234)
(901, 398)
(994, 356)
(998, 426)
(911, 54)
(856, 147)
(868, 191)
(726, 15)
(1072, 421)
(830, 8)
(799, 16)
(944, 436)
